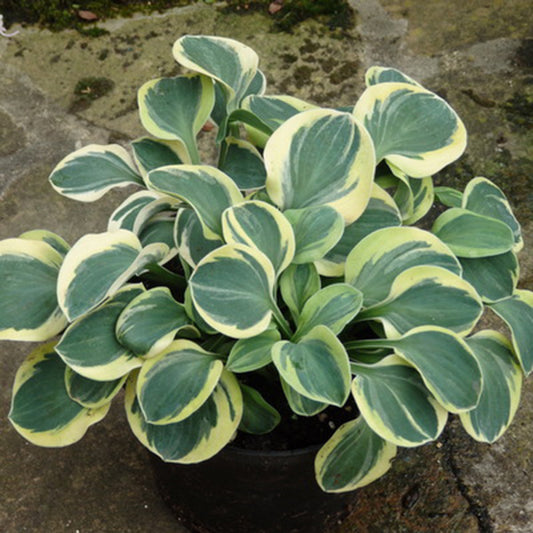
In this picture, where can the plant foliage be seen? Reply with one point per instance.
(296, 256)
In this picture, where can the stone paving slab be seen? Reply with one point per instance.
(476, 54)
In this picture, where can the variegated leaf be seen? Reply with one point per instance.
(485, 198)
(192, 244)
(42, 235)
(41, 409)
(251, 354)
(300, 404)
(125, 215)
(148, 324)
(258, 417)
(502, 384)
(316, 230)
(261, 226)
(187, 373)
(200, 436)
(208, 190)
(352, 458)
(89, 345)
(88, 173)
(29, 270)
(231, 63)
(427, 295)
(98, 265)
(297, 284)
(329, 152)
(444, 360)
(175, 109)
(494, 277)
(396, 404)
(232, 290)
(333, 306)
(89, 393)
(517, 312)
(150, 154)
(411, 127)
(272, 111)
(316, 366)
(469, 234)
(243, 163)
(377, 74)
(379, 258)
(381, 212)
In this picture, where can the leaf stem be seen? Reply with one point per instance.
(281, 320)
(157, 273)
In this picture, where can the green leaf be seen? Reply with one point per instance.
(89, 393)
(396, 404)
(175, 109)
(316, 230)
(148, 324)
(300, 404)
(200, 436)
(352, 458)
(258, 416)
(377, 74)
(29, 271)
(411, 127)
(231, 63)
(41, 410)
(449, 197)
(494, 278)
(320, 157)
(251, 354)
(376, 261)
(261, 226)
(89, 345)
(88, 173)
(297, 284)
(502, 384)
(98, 265)
(333, 306)
(381, 212)
(208, 190)
(316, 366)
(190, 239)
(471, 235)
(427, 295)
(150, 154)
(42, 235)
(484, 198)
(517, 312)
(232, 290)
(177, 382)
(243, 164)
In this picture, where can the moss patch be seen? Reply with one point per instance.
(89, 89)
(61, 14)
(336, 14)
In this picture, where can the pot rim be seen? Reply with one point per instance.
(231, 448)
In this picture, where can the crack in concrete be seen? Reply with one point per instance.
(475, 507)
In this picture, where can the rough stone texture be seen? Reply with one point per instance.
(61, 91)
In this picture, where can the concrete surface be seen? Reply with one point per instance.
(477, 54)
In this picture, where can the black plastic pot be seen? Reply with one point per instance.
(244, 491)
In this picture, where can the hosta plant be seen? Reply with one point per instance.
(296, 257)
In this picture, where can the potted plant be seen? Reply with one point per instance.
(287, 286)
